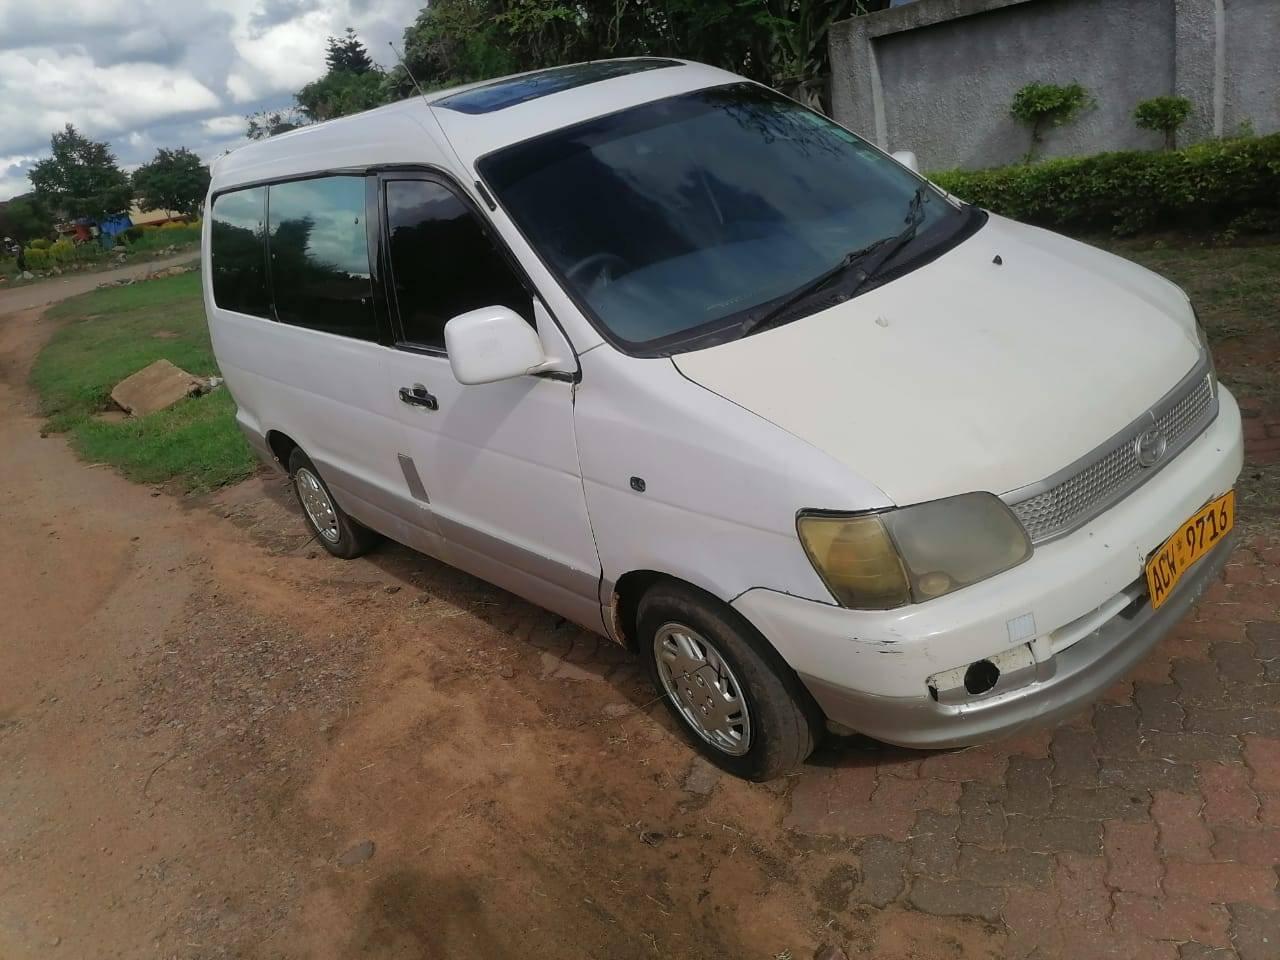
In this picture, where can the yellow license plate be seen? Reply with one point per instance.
(1193, 540)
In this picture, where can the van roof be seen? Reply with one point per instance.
(476, 118)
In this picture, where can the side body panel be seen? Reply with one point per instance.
(331, 396)
(500, 464)
(721, 486)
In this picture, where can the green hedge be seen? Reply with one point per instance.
(1204, 185)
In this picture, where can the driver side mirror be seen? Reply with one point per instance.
(491, 344)
(908, 159)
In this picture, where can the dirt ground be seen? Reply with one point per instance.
(217, 741)
(203, 717)
(45, 292)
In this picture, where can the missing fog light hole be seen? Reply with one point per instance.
(981, 677)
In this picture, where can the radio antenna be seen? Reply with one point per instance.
(431, 111)
(409, 73)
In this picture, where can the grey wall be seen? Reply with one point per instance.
(938, 76)
(1251, 87)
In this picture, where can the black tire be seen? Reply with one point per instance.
(352, 539)
(785, 723)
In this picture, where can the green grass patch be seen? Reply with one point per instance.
(151, 239)
(106, 336)
(1236, 291)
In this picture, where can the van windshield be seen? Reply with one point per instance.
(677, 222)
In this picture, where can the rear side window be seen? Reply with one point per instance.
(237, 257)
(443, 263)
(320, 256)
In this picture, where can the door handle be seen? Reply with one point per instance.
(419, 397)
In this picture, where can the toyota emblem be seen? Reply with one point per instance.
(1150, 446)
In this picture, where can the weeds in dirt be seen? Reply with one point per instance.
(109, 334)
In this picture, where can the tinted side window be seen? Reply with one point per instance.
(442, 263)
(320, 256)
(237, 257)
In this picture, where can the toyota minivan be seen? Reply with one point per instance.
(698, 369)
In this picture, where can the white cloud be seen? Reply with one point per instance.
(281, 57)
(224, 126)
(71, 88)
(13, 175)
(149, 73)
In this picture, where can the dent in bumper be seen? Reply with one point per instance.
(1077, 675)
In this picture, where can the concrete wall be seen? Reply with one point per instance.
(937, 76)
(1251, 81)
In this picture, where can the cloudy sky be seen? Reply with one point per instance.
(144, 74)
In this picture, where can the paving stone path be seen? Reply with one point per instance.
(1148, 827)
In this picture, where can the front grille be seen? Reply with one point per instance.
(1074, 496)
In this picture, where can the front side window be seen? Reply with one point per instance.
(237, 256)
(442, 262)
(677, 222)
(319, 254)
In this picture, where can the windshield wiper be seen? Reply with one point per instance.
(812, 286)
(890, 246)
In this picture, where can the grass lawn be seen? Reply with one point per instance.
(1236, 290)
(106, 336)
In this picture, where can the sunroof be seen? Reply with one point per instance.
(507, 93)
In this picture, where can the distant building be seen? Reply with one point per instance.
(152, 218)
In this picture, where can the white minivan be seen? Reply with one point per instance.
(699, 369)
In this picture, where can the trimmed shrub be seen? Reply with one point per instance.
(62, 254)
(1204, 185)
(1044, 105)
(1163, 115)
(37, 258)
(40, 243)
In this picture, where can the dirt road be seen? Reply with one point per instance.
(216, 741)
(203, 718)
(30, 295)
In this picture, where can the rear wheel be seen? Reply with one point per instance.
(741, 705)
(333, 528)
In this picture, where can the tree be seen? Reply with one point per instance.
(24, 219)
(175, 180)
(458, 41)
(352, 83)
(1164, 115)
(339, 93)
(1043, 105)
(81, 179)
(267, 123)
(346, 54)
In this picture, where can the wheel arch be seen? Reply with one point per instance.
(634, 584)
(282, 446)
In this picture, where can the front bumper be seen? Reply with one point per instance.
(1064, 626)
(1057, 686)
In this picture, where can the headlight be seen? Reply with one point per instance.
(878, 561)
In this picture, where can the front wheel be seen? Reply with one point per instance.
(741, 705)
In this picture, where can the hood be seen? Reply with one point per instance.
(966, 375)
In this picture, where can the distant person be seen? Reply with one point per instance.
(22, 260)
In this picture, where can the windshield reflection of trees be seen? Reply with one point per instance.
(678, 201)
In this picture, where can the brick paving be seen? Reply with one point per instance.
(1146, 827)
(1261, 432)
